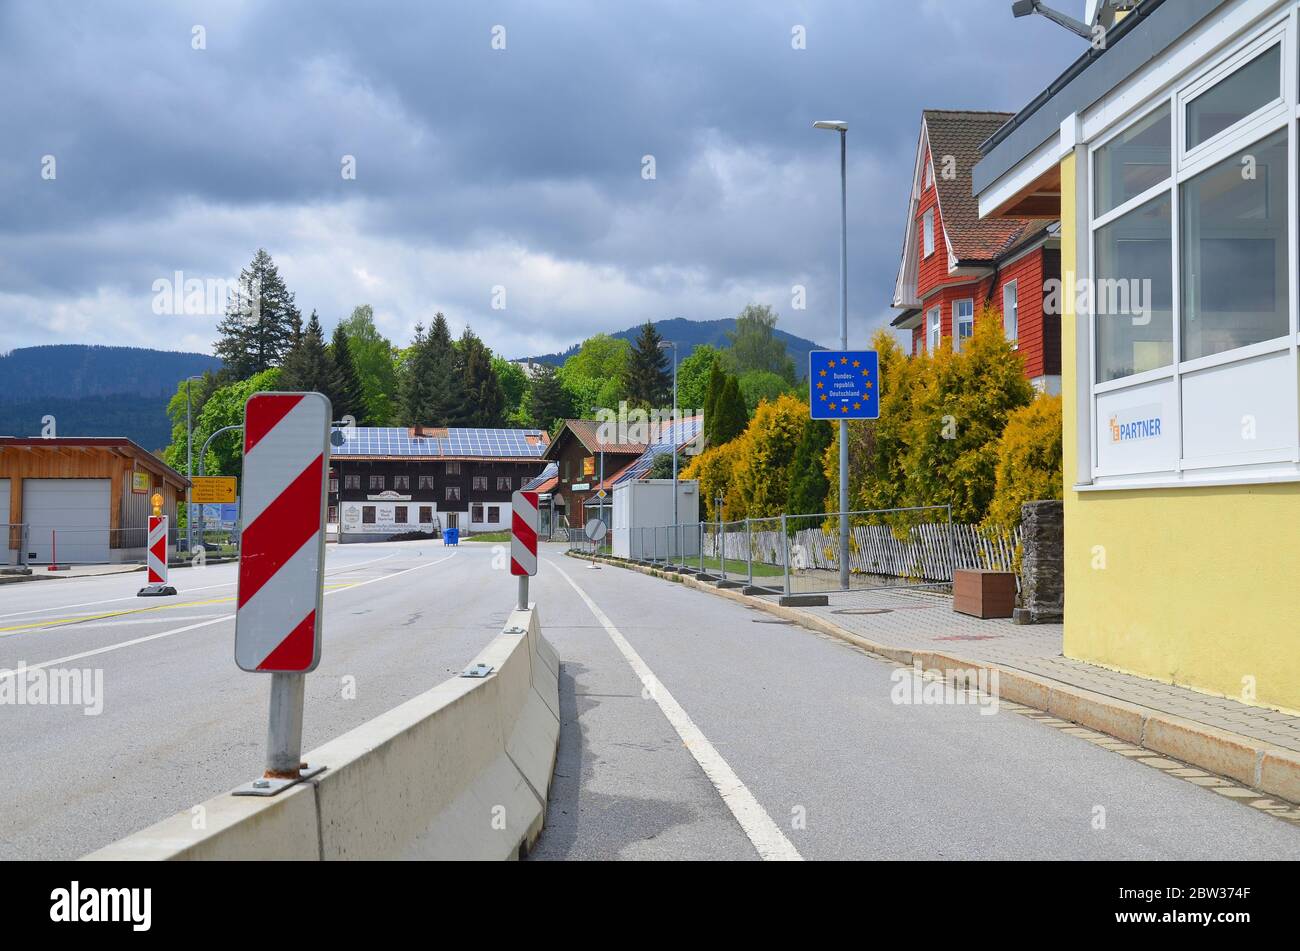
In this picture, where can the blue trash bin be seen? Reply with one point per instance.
(451, 536)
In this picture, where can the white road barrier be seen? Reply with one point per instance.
(459, 772)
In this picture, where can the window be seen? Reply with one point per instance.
(1133, 297)
(1134, 161)
(367, 515)
(476, 514)
(426, 514)
(494, 513)
(426, 482)
(964, 320)
(334, 485)
(1235, 97)
(333, 516)
(453, 468)
(1011, 311)
(503, 484)
(480, 483)
(399, 515)
(352, 481)
(453, 493)
(402, 483)
(1234, 251)
(376, 483)
(929, 172)
(934, 328)
(927, 224)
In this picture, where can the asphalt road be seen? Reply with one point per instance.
(798, 731)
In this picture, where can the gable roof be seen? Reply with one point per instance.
(971, 240)
(585, 431)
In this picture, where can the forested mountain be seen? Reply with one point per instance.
(690, 334)
(94, 391)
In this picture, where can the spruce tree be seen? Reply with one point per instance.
(485, 400)
(433, 388)
(809, 486)
(547, 400)
(261, 323)
(350, 399)
(309, 367)
(648, 381)
(730, 417)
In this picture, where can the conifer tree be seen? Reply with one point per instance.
(308, 366)
(649, 381)
(262, 322)
(350, 397)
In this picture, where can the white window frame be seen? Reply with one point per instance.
(1011, 323)
(934, 328)
(929, 172)
(927, 233)
(1246, 467)
(957, 321)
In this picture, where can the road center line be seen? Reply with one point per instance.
(767, 837)
(5, 674)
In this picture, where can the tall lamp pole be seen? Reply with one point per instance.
(676, 439)
(843, 128)
(189, 468)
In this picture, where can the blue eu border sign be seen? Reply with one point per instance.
(844, 384)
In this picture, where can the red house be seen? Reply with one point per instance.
(956, 264)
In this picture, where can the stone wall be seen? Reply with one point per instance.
(1042, 570)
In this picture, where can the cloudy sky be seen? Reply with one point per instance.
(128, 155)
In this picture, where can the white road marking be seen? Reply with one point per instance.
(5, 674)
(767, 837)
(206, 587)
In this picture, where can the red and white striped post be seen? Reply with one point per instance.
(524, 524)
(282, 557)
(156, 555)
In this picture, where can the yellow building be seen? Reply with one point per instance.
(1170, 156)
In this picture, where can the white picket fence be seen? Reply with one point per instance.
(925, 553)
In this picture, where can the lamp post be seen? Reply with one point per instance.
(676, 439)
(189, 468)
(842, 128)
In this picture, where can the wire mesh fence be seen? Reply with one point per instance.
(916, 547)
(61, 546)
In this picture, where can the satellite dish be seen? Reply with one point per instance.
(595, 530)
(337, 438)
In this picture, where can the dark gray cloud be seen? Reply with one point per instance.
(476, 167)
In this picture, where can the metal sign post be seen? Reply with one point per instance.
(525, 519)
(279, 605)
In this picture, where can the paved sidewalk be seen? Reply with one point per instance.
(924, 620)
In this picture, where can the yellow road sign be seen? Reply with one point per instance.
(209, 490)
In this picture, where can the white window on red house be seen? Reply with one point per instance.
(476, 514)
(934, 328)
(927, 224)
(929, 172)
(963, 312)
(1011, 311)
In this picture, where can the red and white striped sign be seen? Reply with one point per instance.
(157, 555)
(282, 551)
(523, 533)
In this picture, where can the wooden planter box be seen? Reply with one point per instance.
(983, 593)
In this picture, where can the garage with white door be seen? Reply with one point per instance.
(8, 554)
(68, 519)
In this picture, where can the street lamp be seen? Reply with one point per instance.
(600, 487)
(189, 468)
(835, 125)
(666, 345)
(1024, 8)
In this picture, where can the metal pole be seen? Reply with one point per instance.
(785, 554)
(676, 442)
(189, 472)
(749, 549)
(523, 593)
(284, 733)
(844, 345)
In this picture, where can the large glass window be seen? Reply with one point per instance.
(1234, 251)
(1134, 161)
(963, 312)
(1011, 311)
(1235, 97)
(933, 328)
(1133, 293)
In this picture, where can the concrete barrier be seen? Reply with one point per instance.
(459, 772)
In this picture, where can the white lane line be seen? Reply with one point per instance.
(6, 674)
(767, 837)
(206, 587)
